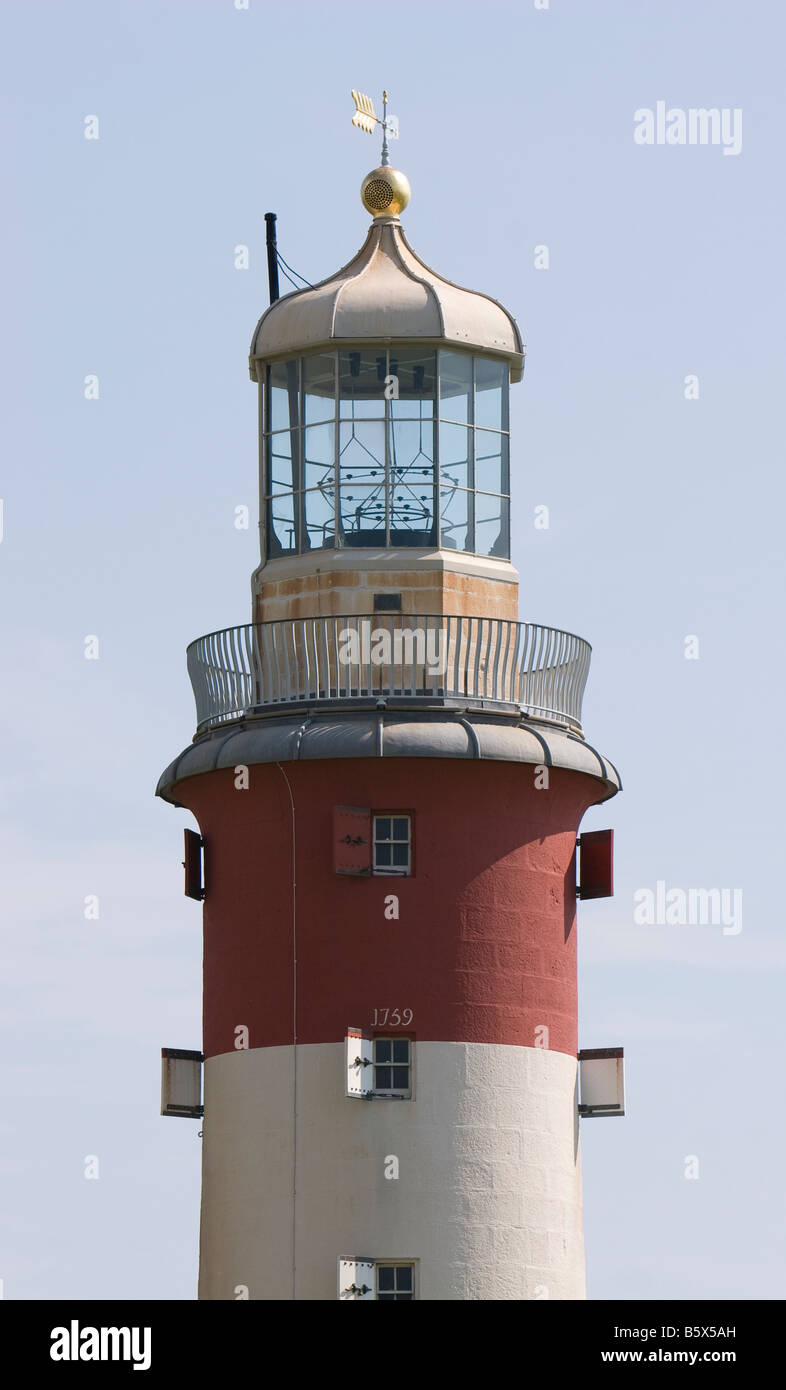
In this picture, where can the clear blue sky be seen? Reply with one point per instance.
(666, 520)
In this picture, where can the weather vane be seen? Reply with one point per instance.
(365, 118)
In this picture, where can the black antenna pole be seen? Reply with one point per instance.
(272, 255)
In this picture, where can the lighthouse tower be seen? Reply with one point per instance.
(388, 775)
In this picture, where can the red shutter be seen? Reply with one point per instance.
(351, 840)
(193, 865)
(596, 865)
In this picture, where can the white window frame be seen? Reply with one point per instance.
(358, 1278)
(392, 1092)
(391, 870)
(360, 1064)
(395, 1264)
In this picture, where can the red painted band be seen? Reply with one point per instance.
(484, 946)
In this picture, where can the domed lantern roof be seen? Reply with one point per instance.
(386, 294)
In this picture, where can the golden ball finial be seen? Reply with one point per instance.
(385, 192)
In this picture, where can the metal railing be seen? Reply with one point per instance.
(431, 660)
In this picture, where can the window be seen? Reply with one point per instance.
(380, 1066)
(387, 603)
(395, 1282)
(392, 1066)
(366, 841)
(393, 845)
(364, 1279)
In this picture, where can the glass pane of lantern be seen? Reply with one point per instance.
(455, 386)
(362, 452)
(281, 535)
(455, 519)
(279, 465)
(412, 450)
(319, 455)
(361, 384)
(491, 461)
(491, 394)
(320, 517)
(362, 514)
(319, 388)
(411, 510)
(454, 441)
(491, 526)
(415, 373)
(282, 396)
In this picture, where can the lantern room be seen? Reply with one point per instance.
(386, 447)
(384, 435)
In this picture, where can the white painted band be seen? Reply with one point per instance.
(488, 1193)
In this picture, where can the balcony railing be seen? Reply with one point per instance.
(405, 658)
